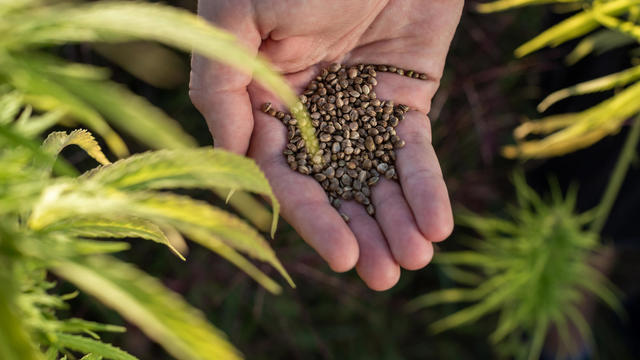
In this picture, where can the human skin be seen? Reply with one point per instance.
(299, 38)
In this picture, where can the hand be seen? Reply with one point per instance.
(299, 38)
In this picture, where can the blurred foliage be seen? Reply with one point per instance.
(533, 269)
(569, 132)
(27, 27)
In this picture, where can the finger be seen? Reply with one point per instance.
(304, 203)
(421, 178)
(409, 247)
(219, 91)
(376, 265)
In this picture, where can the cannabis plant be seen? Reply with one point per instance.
(56, 222)
(531, 268)
(601, 26)
(50, 223)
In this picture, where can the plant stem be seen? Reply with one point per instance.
(617, 178)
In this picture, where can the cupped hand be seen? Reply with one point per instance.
(299, 38)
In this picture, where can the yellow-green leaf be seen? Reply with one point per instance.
(87, 345)
(575, 26)
(114, 21)
(187, 168)
(142, 300)
(66, 201)
(502, 5)
(114, 227)
(56, 141)
(600, 84)
(45, 93)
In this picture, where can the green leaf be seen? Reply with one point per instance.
(87, 345)
(188, 168)
(114, 227)
(14, 138)
(75, 325)
(145, 302)
(502, 5)
(228, 253)
(119, 21)
(15, 343)
(129, 112)
(91, 357)
(66, 201)
(596, 85)
(10, 105)
(575, 26)
(29, 74)
(56, 141)
(249, 207)
(152, 63)
(598, 43)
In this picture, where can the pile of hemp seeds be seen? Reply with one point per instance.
(356, 130)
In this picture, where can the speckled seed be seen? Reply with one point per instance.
(356, 131)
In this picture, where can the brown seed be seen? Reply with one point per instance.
(334, 67)
(329, 172)
(345, 217)
(390, 174)
(320, 177)
(382, 168)
(346, 180)
(266, 107)
(324, 137)
(352, 73)
(371, 210)
(368, 143)
(359, 197)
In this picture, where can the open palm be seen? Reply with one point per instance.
(299, 38)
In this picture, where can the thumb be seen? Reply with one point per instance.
(219, 91)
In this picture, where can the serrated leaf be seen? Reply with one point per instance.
(160, 313)
(66, 201)
(188, 168)
(114, 227)
(87, 345)
(56, 141)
